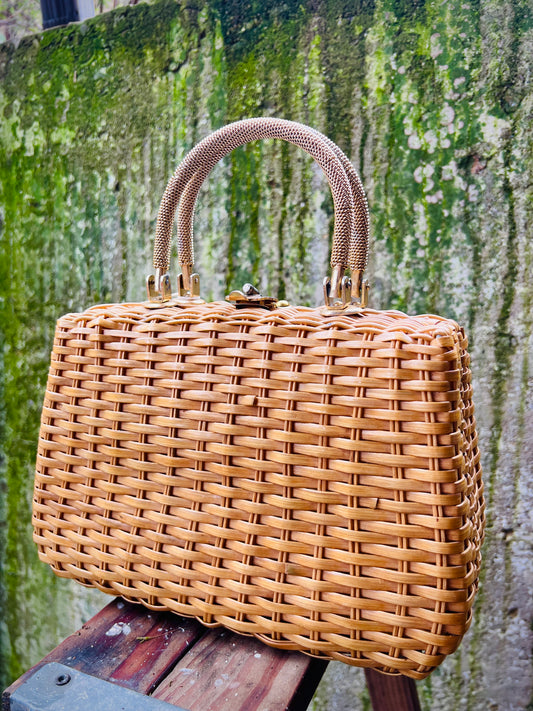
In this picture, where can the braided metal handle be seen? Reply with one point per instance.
(358, 243)
(350, 235)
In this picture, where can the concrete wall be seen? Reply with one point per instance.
(431, 100)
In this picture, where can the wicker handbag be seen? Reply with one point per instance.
(309, 476)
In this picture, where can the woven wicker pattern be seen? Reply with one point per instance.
(214, 147)
(314, 482)
(358, 242)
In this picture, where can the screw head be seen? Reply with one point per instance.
(62, 679)
(250, 290)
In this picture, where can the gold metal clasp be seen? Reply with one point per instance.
(250, 296)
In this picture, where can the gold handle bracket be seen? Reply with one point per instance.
(343, 294)
(160, 293)
(158, 287)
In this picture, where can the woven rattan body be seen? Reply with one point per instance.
(312, 481)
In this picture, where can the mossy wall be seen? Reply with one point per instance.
(431, 100)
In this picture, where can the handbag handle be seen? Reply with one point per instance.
(338, 290)
(358, 243)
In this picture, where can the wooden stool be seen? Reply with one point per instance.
(178, 661)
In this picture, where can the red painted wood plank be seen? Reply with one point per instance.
(228, 672)
(391, 693)
(126, 644)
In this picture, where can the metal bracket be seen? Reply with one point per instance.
(160, 294)
(158, 287)
(344, 295)
(56, 687)
(189, 287)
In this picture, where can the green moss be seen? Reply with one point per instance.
(427, 98)
(420, 92)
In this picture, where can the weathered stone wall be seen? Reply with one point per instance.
(433, 103)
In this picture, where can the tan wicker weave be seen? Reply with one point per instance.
(312, 481)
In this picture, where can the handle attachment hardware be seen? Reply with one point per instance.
(343, 294)
(158, 287)
(188, 284)
(160, 293)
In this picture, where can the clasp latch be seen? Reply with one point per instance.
(250, 296)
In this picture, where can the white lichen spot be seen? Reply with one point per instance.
(447, 114)
(401, 70)
(472, 193)
(218, 682)
(432, 141)
(458, 81)
(414, 142)
(436, 197)
(120, 604)
(257, 655)
(425, 171)
(445, 143)
(460, 124)
(493, 128)
(421, 223)
(449, 171)
(435, 48)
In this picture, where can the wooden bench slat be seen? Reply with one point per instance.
(227, 672)
(175, 659)
(123, 658)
